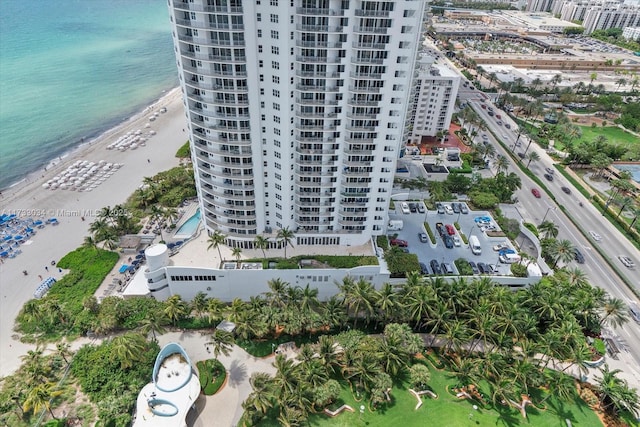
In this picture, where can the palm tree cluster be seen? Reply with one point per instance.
(168, 188)
(111, 223)
(312, 381)
(486, 333)
(35, 387)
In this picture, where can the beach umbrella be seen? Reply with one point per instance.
(4, 254)
(7, 238)
(37, 222)
(18, 238)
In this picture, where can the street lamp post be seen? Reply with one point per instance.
(545, 214)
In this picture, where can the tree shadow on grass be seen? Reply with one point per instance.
(507, 416)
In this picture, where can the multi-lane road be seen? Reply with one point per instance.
(586, 217)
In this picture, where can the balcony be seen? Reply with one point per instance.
(319, 44)
(318, 59)
(365, 75)
(314, 88)
(318, 74)
(360, 140)
(363, 103)
(374, 13)
(316, 128)
(308, 184)
(364, 89)
(227, 128)
(374, 30)
(305, 101)
(319, 28)
(316, 152)
(376, 46)
(320, 12)
(362, 116)
(186, 5)
(216, 114)
(317, 115)
(222, 223)
(361, 128)
(192, 23)
(356, 60)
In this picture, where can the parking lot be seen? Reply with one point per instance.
(427, 252)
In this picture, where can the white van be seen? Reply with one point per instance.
(395, 225)
(405, 208)
(510, 258)
(474, 244)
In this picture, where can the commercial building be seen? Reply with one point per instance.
(296, 112)
(436, 89)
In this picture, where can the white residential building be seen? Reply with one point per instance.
(631, 33)
(436, 89)
(598, 14)
(296, 112)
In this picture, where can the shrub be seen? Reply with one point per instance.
(518, 270)
(400, 263)
(429, 232)
(463, 267)
(532, 228)
(212, 375)
(483, 200)
(382, 242)
(184, 152)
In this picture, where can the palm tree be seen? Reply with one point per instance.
(153, 322)
(615, 394)
(128, 349)
(262, 396)
(614, 312)
(90, 243)
(262, 243)
(237, 253)
(214, 309)
(199, 303)
(532, 157)
(548, 229)
(358, 297)
(40, 396)
(215, 240)
(562, 250)
(502, 164)
(285, 236)
(63, 349)
(222, 342)
(175, 308)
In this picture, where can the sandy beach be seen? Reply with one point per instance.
(30, 199)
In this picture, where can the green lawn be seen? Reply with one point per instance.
(613, 134)
(447, 410)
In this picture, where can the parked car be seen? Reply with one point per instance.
(448, 210)
(455, 207)
(578, 256)
(634, 311)
(450, 229)
(474, 267)
(421, 208)
(463, 208)
(548, 177)
(447, 268)
(423, 268)
(567, 190)
(521, 155)
(448, 242)
(501, 246)
(626, 261)
(440, 208)
(491, 113)
(399, 242)
(485, 137)
(456, 241)
(535, 192)
(507, 125)
(484, 268)
(405, 208)
(499, 122)
(484, 106)
(435, 267)
(549, 170)
(423, 237)
(413, 208)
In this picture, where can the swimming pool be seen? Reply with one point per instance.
(190, 226)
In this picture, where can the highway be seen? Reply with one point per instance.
(613, 243)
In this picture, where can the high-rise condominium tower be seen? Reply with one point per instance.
(296, 112)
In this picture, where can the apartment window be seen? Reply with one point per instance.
(260, 33)
(276, 119)
(261, 77)
(258, 17)
(276, 93)
(275, 79)
(275, 65)
(275, 35)
(259, 48)
(276, 106)
(274, 2)
(263, 117)
(274, 18)
(406, 29)
(261, 104)
(409, 13)
(276, 131)
(401, 45)
(398, 87)
(275, 50)
(261, 91)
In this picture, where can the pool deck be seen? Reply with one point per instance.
(189, 212)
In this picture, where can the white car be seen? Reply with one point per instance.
(456, 240)
(405, 208)
(595, 236)
(448, 209)
(628, 262)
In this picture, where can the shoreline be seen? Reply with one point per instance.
(29, 199)
(101, 135)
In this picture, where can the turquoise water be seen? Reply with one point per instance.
(190, 226)
(72, 69)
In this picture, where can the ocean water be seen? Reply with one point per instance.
(71, 69)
